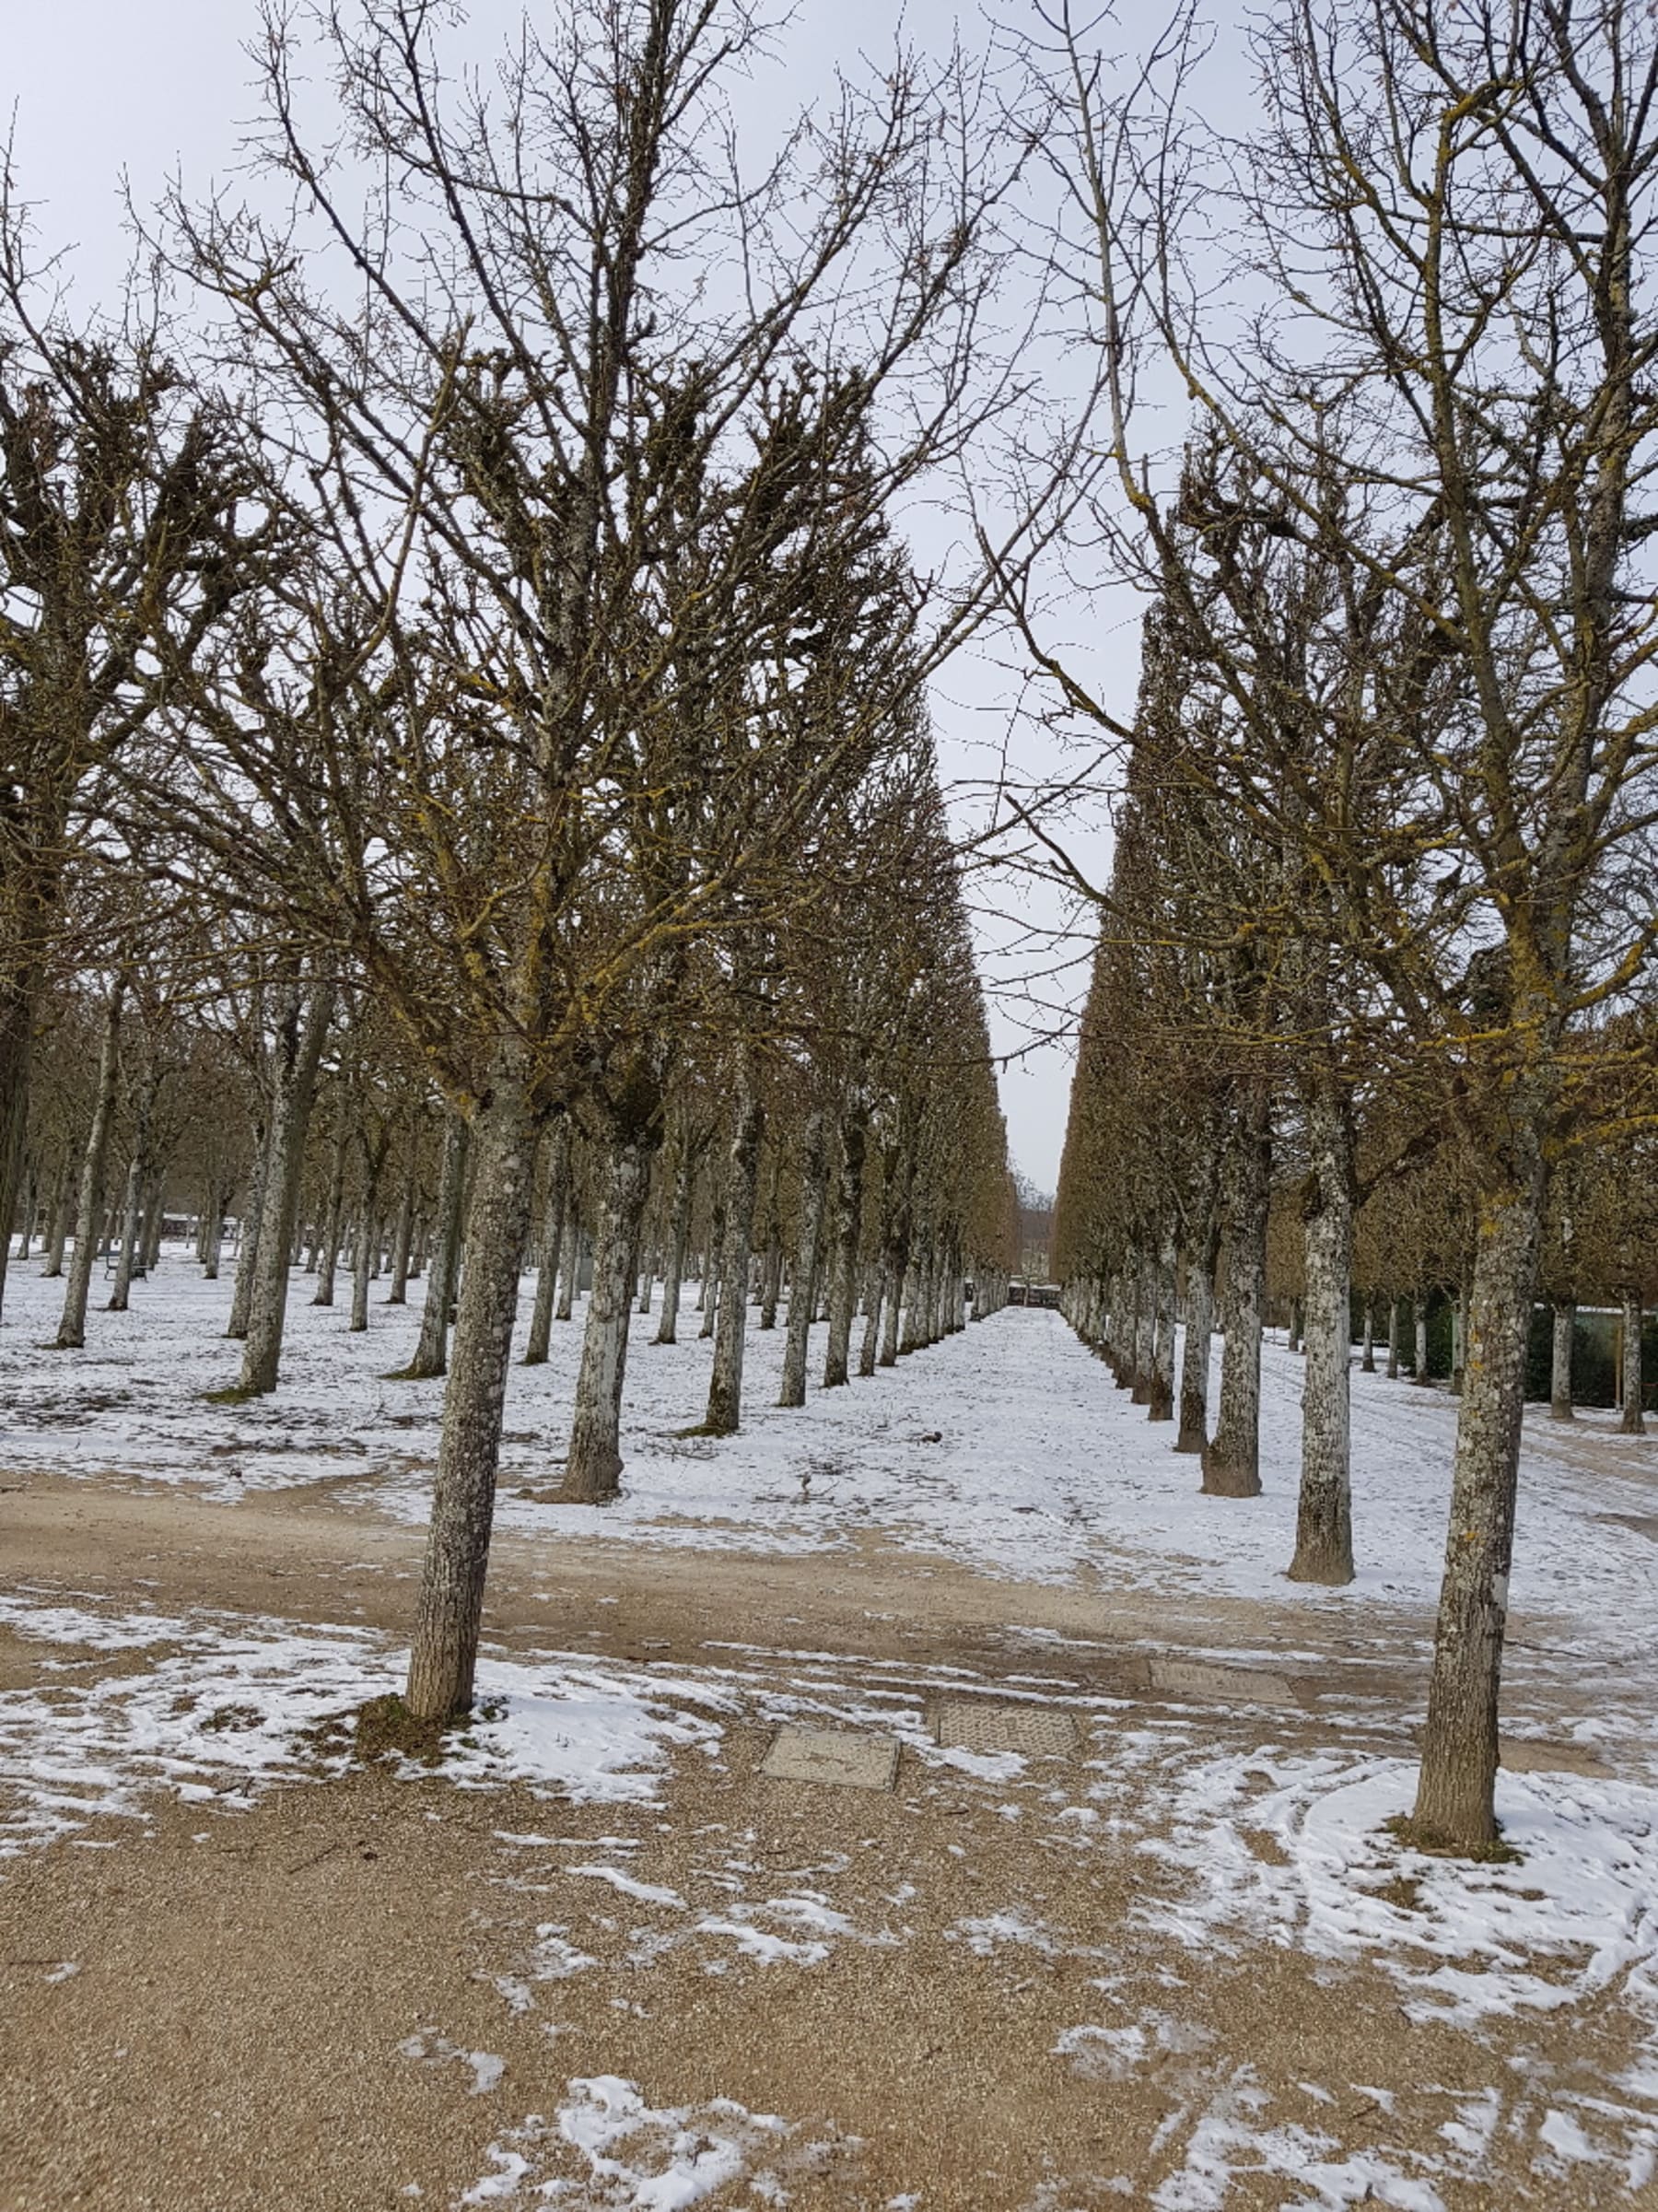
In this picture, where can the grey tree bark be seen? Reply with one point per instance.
(679, 1234)
(431, 1349)
(127, 1260)
(58, 1236)
(593, 1467)
(1159, 1395)
(443, 1660)
(72, 1326)
(713, 1286)
(743, 1190)
(1421, 1306)
(569, 1266)
(546, 1274)
(333, 1210)
(848, 1225)
(402, 1243)
(1232, 1461)
(869, 1349)
(297, 1050)
(1454, 1794)
(1634, 1422)
(247, 1257)
(1396, 1329)
(1323, 1525)
(1560, 1378)
(801, 1284)
(1192, 1433)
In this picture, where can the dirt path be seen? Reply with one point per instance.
(965, 1993)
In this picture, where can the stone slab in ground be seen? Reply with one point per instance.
(846, 1756)
(1245, 1685)
(969, 1725)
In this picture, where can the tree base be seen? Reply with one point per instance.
(589, 1490)
(1324, 1563)
(1437, 1843)
(1224, 1477)
(1160, 1402)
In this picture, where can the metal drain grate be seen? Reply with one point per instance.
(1037, 1731)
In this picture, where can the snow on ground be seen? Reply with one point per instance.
(670, 2159)
(1006, 1447)
(227, 1705)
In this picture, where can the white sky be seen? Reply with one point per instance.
(99, 88)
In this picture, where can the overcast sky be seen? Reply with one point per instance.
(147, 89)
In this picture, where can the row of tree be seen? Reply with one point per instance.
(1381, 918)
(468, 668)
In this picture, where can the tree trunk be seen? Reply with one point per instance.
(72, 1328)
(154, 1221)
(213, 1232)
(444, 1656)
(546, 1274)
(713, 1284)
(1454, 1796)
(431, 1349)
(679, 1234)
(27, 1204)
(1559, 1380)
(1420, 1375)
(1367, 1364)
(58, 1235)
(1323, 1525)
(362, 1267)
(880, 1285)
(247, 1257)
(1159, 1398)
(849, 1225)
(1194, 1356)
(1633, 1422)
(333, 1211)
(130, 1211)
(594, 1468)
(1396, 1329)
(1232, 1463)
(297, 1050)
(402, 1243)
(897, 1273)
(771, 1279)
(743, 1190)
(569, 1266)
(798, 1329)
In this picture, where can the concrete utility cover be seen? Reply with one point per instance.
(842, 1755)
(966, 1725)
(1243, 1685)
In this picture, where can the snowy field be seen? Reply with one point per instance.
(1005, 1448)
